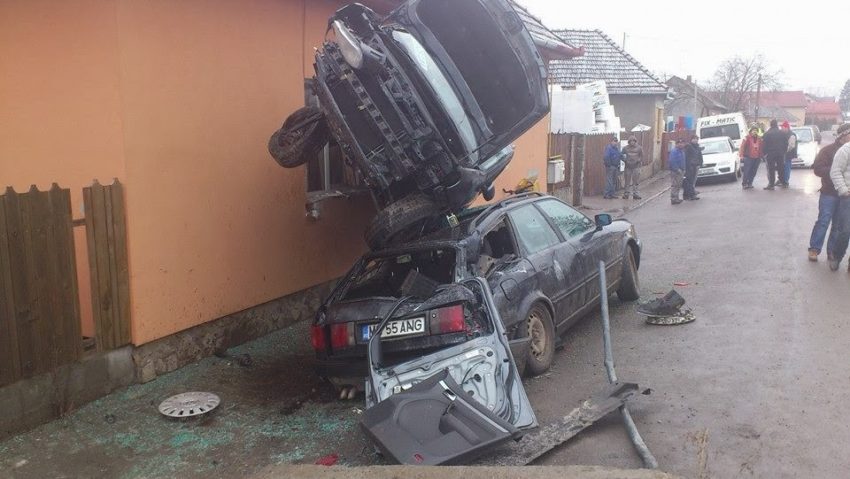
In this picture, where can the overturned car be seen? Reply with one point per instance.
(424, 103)
(538, 255)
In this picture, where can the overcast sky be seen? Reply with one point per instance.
(808, 40)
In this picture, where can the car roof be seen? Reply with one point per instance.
(715, 138)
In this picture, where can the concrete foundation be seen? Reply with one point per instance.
(457, 472)
(34, 401)
(31, 402)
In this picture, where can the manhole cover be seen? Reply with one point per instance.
(189, 404)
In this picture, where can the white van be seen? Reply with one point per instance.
(732, 125)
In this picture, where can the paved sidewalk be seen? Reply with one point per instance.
(650, 188)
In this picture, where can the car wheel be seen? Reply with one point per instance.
(302, 136)
(541, 331)
(629, 289)
(400, 221)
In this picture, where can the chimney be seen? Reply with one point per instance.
(689, 79)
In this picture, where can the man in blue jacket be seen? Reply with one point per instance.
(676, 163)
(612, 159)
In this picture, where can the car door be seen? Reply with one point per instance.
(571, 225)
(538, 242)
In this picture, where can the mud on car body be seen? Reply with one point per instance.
(538, 256)
(424, 103)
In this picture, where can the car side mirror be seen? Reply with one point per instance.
(602, 220)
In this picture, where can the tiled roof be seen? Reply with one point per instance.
(687, 89)
(603, 60)
(785, 99)
(824, 108)
(773, 112)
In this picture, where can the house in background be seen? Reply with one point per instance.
(637, 95)
(782, 106)
(823, 112)
(687, 99)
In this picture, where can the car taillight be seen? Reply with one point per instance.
(448, 320)
(342, 335)
(317, 337)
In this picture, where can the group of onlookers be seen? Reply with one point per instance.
(684, 163)
(632, 157)
(777, 148)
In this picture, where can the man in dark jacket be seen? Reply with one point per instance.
(828, 202)
(611, 158)
(693, 161)
(775, 147)
(790, 154)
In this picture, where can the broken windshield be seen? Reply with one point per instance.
(411, 273)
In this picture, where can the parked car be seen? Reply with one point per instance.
(424, 103)
(808, 139)
(719, 159)
(538, 255)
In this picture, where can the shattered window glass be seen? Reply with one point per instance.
(533, 232)
(569, 221)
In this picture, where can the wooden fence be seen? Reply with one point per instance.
(106, 234)
(39, 297)
(583, 165)
(668, 142)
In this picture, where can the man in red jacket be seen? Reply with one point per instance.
(828, 202)
(751, 154)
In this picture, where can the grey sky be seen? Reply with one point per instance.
(808, 40)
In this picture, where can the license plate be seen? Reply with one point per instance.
(706, 171)
(394, 329)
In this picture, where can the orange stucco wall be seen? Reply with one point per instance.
(178, 99)
(529, 159)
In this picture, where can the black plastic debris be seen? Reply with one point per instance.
(433, 423)
(668, 305)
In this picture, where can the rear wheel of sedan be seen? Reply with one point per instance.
(302, 136)
(629, 289)
(541, 332)
(401, 221)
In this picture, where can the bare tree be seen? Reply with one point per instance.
(737, 79)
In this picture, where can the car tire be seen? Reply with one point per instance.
(400, 221)
(538, 326)
(302, 136)
(629, 289)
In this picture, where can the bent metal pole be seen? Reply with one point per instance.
(648, 459)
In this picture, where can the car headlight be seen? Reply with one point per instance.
(349, 45)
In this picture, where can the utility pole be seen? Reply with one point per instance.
(624, 41)
(758, 98)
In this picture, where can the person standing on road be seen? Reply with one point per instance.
(790, 154)
(693, 162)
(676, 163)
(751, 153)
(775, 144)
(611, 159)
(633, 157)
(839, 173)
(828, 201)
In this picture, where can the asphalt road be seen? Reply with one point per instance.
(755, 387)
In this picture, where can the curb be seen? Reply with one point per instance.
(656, 195)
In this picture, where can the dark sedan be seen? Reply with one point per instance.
(538, 255)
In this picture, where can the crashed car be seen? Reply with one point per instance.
(424, 103)
(538, 255)
(450, 405)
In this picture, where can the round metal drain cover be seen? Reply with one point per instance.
(189, 404)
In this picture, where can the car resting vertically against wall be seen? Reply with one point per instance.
(424, 103)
